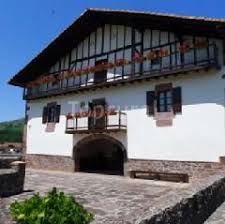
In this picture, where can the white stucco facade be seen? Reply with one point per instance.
(197, 134)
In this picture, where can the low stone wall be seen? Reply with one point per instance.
(195, 209)
(12, 180)
(49, 162)
(193, 169)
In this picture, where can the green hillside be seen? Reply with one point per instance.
(11, 131)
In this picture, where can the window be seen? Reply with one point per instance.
(51, 113)
(164, 101)
(101, 75)
(164, 98)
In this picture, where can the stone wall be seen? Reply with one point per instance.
(47, 162)
(195, 209)
(12, 180)
(193, 169)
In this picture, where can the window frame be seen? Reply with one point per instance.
(51, 113)
(163, 102)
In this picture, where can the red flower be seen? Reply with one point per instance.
(110, 65)
(77, 115)
(84, 114)
(201, 43)
(69, 116)
(185, 47)
(119, 62)
(112, 111)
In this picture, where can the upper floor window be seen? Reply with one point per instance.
(165, 98)
(164, 101)
(51, 113)
(101, 75)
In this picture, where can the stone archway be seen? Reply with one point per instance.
(99, 153)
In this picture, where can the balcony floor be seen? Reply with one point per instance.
(124, 80)
(92, 131)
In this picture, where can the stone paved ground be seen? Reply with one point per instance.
(113, 199)
(218, 217)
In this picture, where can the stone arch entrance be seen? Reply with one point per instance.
(100, 153)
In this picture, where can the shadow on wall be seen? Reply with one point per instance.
(12, 180)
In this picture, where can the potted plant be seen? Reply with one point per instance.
(69, 116)
(201, 43)
(152, 55)
(112, 111)
(84, 114)
(77, 115)
(185, 47)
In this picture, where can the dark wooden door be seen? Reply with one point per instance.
(98, 118)
(90, 118)
(100, 76)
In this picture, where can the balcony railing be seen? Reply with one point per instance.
(110, 122)
(177, 61)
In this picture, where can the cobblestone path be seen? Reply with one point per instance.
(112, 199)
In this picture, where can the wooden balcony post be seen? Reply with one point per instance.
(215, 53)
(195, 51)
(24, 92)
(208, 50)
(119, 119)
(76, 121)
(106, 120)
(176, 52)
(67, 123)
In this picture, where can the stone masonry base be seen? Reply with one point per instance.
(66, 163)
(49, 162)
(193, 169)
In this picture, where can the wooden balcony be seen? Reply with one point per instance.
(175, 63)
(114, 122)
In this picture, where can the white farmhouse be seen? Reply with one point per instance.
(123, 90)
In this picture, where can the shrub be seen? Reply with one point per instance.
(54, 208)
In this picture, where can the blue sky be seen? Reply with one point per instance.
(27, 26)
